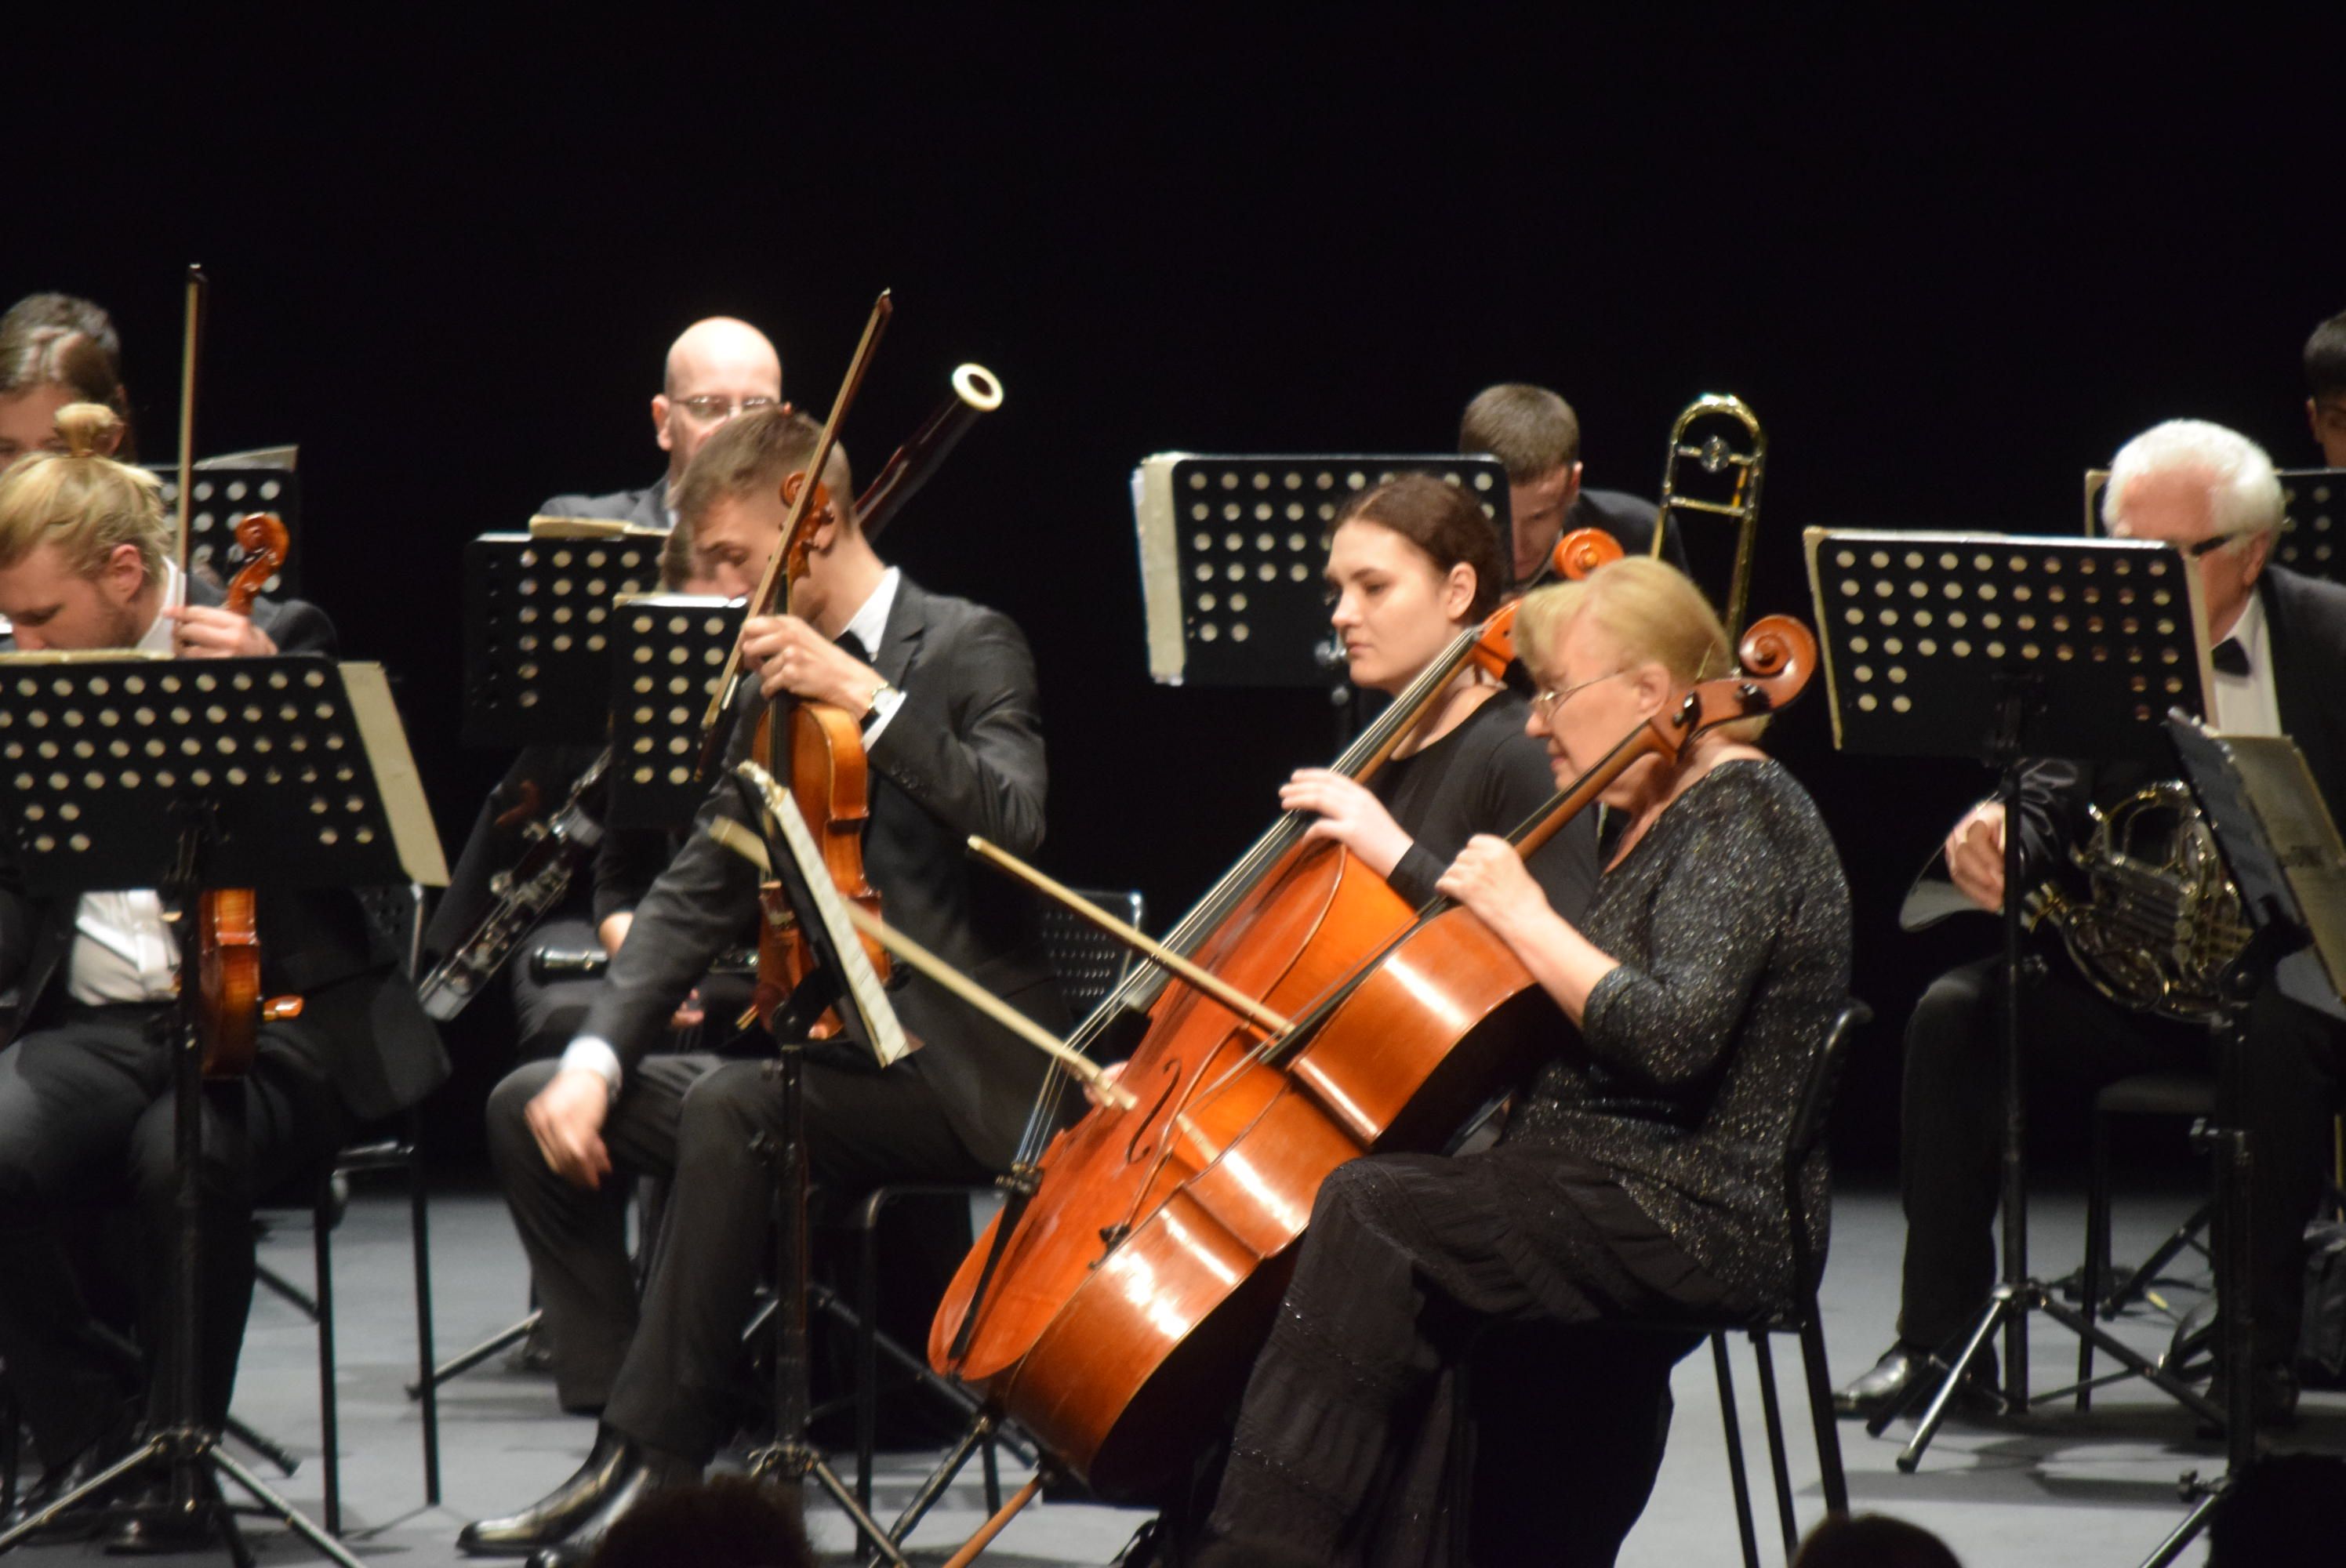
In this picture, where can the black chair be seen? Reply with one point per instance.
(396, 915)
(1796, 1315)
(1088, 964)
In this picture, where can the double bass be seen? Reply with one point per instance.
(1122, 1310)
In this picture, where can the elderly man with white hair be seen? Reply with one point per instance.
(2279, 656)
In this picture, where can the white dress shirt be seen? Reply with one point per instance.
(2246, 703)
(121, 950)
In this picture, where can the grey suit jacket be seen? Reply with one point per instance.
(645, 508)
(963, 755)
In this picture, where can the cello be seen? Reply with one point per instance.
(1127, 1304)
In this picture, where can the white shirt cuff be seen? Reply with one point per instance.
(591, 1055)
(883, 708)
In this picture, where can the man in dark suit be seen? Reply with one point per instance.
(718, 367)
(1535, 433)
(946, 692)
(2279, 655)
(85, 1088)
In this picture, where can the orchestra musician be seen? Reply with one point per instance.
(85, 1100)
(55, 350)
(1630, 1180)
(2325, 389)
(1412, 563)
(2279, 656)
(946, 691)
(1535, 433)
(717, 367)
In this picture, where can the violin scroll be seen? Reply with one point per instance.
(261, 536)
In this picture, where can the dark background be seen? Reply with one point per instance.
(1949, 271)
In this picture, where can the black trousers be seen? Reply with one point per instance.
(1355, 1442)
(2076, 1040)
(663, 1374)
(85, 1117)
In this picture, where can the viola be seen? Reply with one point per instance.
(229, 1009)
(1125, 1307)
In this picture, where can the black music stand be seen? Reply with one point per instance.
(537, 634)
(2001, 649)
(1232, 550)
(184, 776)
(2283, 854)
(668, 652)
(226, 489)
(784, 849)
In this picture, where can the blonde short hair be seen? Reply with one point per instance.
(1650, 611)
(86, 503)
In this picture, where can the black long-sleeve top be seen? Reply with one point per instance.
(1487, 776)
(1730, 922)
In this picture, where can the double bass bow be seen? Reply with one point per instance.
(1127, 1304)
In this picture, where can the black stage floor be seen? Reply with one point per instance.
(2077, 1490)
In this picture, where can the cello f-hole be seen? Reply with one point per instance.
(1133, 1153)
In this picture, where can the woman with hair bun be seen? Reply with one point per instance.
(57, 349)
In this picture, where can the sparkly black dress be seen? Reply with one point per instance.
(1633, 1179)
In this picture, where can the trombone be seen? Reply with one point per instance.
(1730, 442)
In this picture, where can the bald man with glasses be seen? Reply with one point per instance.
(719, 367)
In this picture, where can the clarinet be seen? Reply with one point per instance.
(562, 845)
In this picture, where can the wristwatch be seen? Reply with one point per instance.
(871, 709)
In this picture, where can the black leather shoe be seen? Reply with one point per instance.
(553, 1516)
(62, 1480)
(2273, 1400)
(649, 1471)
(1906, 1378)
(152, 1526)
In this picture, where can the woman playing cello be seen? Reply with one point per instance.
(1632, 1179)
(1412, 563)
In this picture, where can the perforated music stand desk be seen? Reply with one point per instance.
(2001, 647)
(537, 643)
(1923, 633)
(301, 765)
(668, 651)
(1232, 550)
(226, 489)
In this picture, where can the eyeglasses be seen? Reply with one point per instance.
(711, 408)
(1547, 702)
(2209, 545)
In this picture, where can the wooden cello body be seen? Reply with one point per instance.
(1127, 1308)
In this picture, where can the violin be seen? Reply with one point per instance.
(818, 748)
(230, 1010)
(1123, 1309)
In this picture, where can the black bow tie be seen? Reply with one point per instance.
(854, 645)
(2231, 658)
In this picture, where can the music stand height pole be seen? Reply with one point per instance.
(2013, 1158)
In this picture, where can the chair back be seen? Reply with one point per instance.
(1810, 1116)
(1088, 961)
